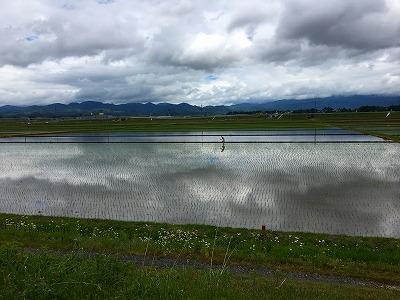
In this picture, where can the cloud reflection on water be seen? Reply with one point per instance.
(334, 188)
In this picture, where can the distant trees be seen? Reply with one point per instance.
(369, 108)
(257, 112)
(328, 109)
(304, 111)
(394, 107)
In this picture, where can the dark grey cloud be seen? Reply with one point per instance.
(364, 25)
(311, 33)
(68, 33)
(251, 16)
(164, 50)
(137, 94)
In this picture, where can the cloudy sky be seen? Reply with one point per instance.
(205, 52)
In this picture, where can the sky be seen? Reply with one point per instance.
(208, 52)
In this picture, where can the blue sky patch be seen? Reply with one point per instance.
(105, 1)
(68, 6)
(211, 77)
(31, 38)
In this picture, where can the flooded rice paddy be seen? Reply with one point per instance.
(347, 188)
(275, 136)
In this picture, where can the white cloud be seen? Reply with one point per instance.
(139, 51)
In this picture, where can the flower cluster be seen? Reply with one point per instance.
(72, 227)
(169, 240)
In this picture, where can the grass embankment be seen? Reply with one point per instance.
(367, 258)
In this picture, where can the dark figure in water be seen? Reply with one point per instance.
(222, 139)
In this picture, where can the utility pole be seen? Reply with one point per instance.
(315, 109)
(201, 120)
(315, 121)
(108, 132)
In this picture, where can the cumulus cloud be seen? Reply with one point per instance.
(200, 52)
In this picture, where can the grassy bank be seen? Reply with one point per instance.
(368, 258)
(46, 276)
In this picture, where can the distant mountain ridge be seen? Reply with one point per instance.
(184, 109)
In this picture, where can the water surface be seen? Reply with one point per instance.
(346, 188)
(310, 135)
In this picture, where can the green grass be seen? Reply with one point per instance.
(46, 276)
(19, 126)
(362, 257)
(373, 123)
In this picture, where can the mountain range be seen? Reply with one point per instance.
(183, 109)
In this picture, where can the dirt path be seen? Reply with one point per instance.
(142, 260)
